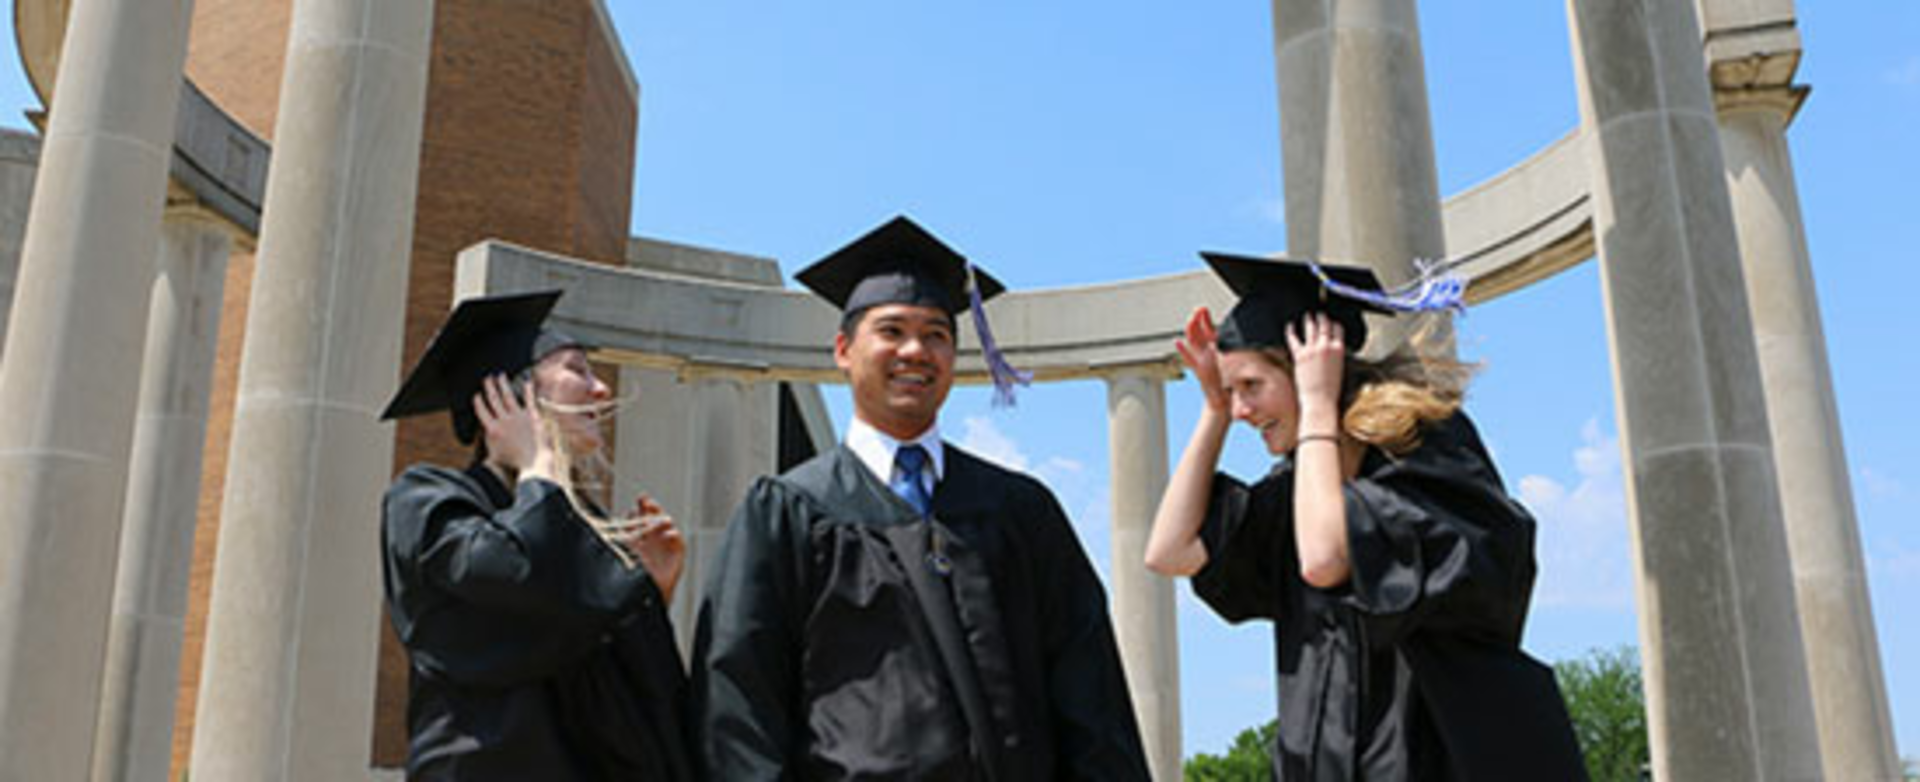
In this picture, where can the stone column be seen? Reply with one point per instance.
(1143, 600)
(732, 442)
(1356, 139)
(74, 338)
(19, 159)
(163, 498)
(287, 681)
(1829, 570)
(1726, 677)
(652, 441)
(695, 443)
(654, 453)
(696, 437)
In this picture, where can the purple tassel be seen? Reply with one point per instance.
(1003, 374)
(1436, 288)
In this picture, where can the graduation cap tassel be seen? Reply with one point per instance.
(1436, 288)
(1003, 374)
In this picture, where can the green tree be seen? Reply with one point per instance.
(1609, 715)
(1910, 769)
(1603, 698)
(1245, 761)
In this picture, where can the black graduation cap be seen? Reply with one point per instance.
(484, 336)
(1276, 293)
(897, 263)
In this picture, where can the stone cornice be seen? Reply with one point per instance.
(217, 159)
(704, 328)
(1752, 65)
(1784, 100)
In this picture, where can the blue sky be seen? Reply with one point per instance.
(1074, 142)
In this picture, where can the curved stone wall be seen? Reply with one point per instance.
(523, 94)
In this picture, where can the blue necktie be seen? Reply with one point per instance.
(908, 461)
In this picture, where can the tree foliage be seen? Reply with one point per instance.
(1603, 697)
(1609, 712)
(1245, 761)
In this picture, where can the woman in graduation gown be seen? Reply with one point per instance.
(1394, 566)
(536, 627)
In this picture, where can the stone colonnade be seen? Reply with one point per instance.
(80, 305)
(142, 674)
(19, 159)
(1356, 139)
(287, 683)
(724, 427)
(695, 442)
(1755, 97)
(1730, 566)
(291, 647)
(1143, 610)
(1719, 621)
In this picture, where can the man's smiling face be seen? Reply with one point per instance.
(899, 362)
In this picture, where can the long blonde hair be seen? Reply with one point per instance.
(585, 478)
(1388, 402)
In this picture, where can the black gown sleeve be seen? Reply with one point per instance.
(508, 596)
(745, 663)
(1436, 543)
(1248, 535)
(1093, 721)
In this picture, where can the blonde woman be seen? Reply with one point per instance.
(1394, 566)
(536, 627)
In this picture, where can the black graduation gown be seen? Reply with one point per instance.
(535, 654)
(1412, 670)
(831, 647)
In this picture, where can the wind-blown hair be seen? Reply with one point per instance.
(1389, 402)
(584, 478)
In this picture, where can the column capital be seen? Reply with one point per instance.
(186, 209)
(183, 207)
(1784, 100)
(1167, 369)
(1758, 80)
(745, 374)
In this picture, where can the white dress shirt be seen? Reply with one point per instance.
(876, 451)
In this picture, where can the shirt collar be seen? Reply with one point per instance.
(876, 449)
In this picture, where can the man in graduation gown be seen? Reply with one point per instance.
(897, 608)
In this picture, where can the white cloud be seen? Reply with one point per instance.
(1894, 562)
(1256, 685)
(1269, 209)
(981, 438)
(1880, 485)
(1082, 492)
(1583, 545)
(1539, 491)
(1060, 467)
(1906, 74)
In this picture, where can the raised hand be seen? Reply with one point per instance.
(511, 426)
(1198, 352)
(1319, 356)
(657, 544)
